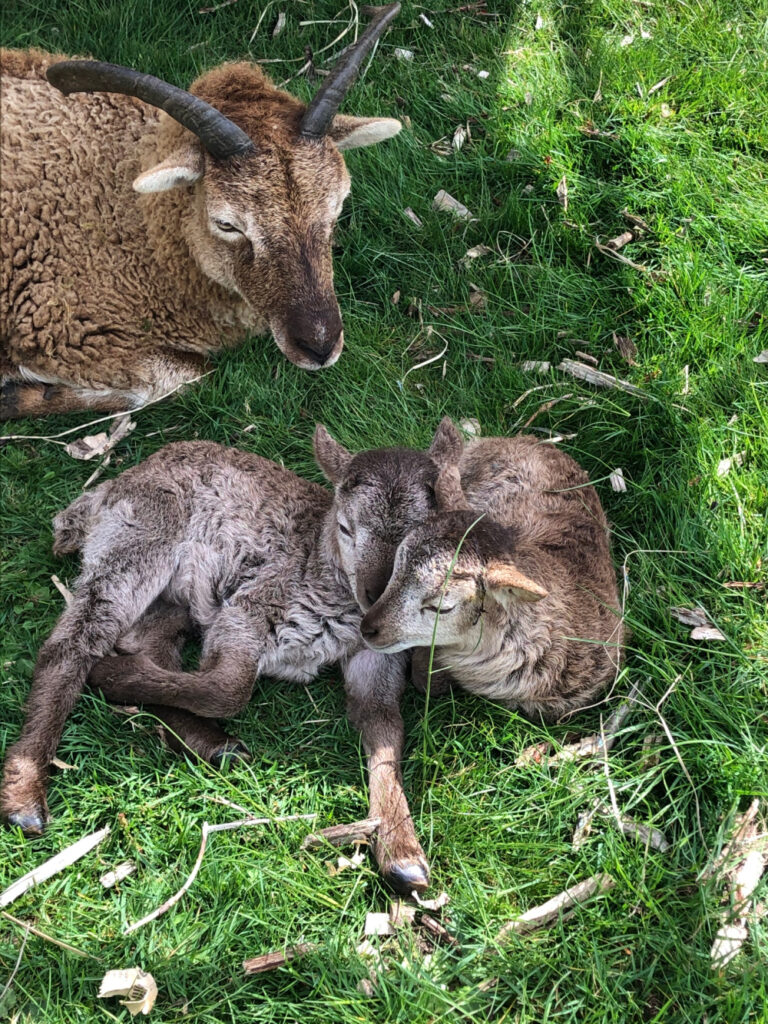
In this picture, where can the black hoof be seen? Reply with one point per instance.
(232, 751)
(405, 876)
(31, 823)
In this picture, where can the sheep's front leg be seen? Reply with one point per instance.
(221, 687)
(107, 602)
(374, 684)
(160, 635)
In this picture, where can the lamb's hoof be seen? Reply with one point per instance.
(232, 751)
(406, 875)
(32, 822)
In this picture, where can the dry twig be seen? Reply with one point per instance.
(28, 926)
(538, 917)
(598, 377)
(52, 866)
(340, 835)
(271, 961)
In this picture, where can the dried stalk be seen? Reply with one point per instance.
(271, 961)
(42, 935)
(52, 866)
(597, 377)
(340, 835)
(538, 917)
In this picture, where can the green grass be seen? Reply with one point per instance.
(690, 158)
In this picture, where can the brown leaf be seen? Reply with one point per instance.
(562, 192)
(627, 348)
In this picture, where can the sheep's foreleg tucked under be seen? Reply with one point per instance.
(108, 601)
(160, 635)
(19, 399)
(220, 688)
(374, 685)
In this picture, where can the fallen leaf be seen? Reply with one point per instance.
(460, 136)
(762, 357)
(618, 483)
(395, 298)
(137, 985)
(627, 348)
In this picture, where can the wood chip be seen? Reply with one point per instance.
(690, 616)
(724, 465)
(650, 755)
(378, 924)
(340, 835)
(279, 24)
(562, 193)
(597, 377)
(122, 871)
(271, 961)
(637, 223)
(437, 930)
(89, 447)
(425, 20)
(52, 866)
(534, 366)
(627, 348)
(137, 985)
(62, 765)
(402, 54)
(64, 590)
(445, 202)
(620, 241)
(587, 357)
(618, 483)
(707, 633)
(538, 917)
(414, 218)
(762, 357)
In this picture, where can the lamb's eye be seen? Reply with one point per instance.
(225, 226)
(439, 609)
(344, 531)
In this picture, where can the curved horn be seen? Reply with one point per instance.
(327, 100)
(220, 136)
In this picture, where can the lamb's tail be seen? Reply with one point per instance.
(72, 525)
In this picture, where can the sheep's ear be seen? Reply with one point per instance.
(448, 492)
(447, 444)
(508, 584)
(331, 457)
(350, 132)
(181, 169)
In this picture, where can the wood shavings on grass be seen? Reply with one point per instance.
(701, 622)
(92, 445)
(68, 856)
(340, 835)
(741, 864)
(445, 202)
(599, 743)
(138, 986)
(547, 913)
(724, 466)
(597, 377)
(117, 874)
(618, 483)
(271, 961)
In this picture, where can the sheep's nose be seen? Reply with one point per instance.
(318, 351)
(369, 631)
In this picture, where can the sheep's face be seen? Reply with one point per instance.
(448, 573)
(380, 496)
(261, 224)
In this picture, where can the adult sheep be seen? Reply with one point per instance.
(108, 301)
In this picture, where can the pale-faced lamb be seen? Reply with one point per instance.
(510, 577)
(248, 553)
(108, 301)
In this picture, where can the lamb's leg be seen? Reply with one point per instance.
(109, 599)
(374, 684)
(160, 635)
(220, 688)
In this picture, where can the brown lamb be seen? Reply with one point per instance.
(109, 300)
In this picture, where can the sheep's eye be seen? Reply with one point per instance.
(439, 609)
(224, 225)
(344, 531)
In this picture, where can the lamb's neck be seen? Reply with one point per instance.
(324, 562)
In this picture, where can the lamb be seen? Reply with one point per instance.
(108, 302)
(507, 585)
(248, 553)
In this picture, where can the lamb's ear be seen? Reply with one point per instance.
(508, 584)
(447, 444)
(331, 457)
(350, 132)
(448, 492)
(184, 167)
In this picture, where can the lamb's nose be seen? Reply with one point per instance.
(369, 632)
